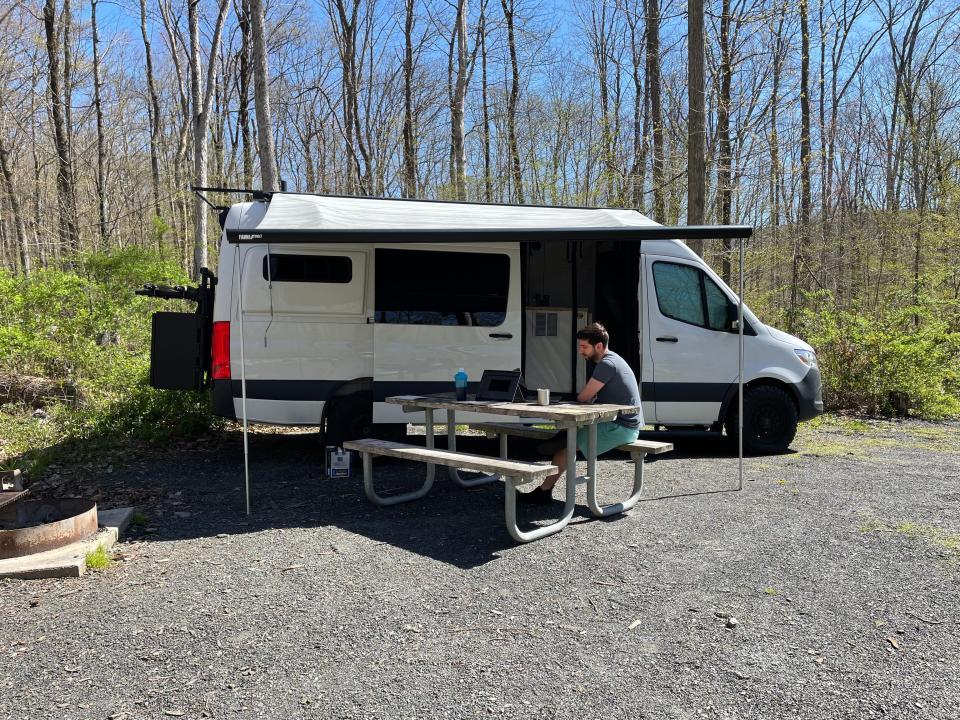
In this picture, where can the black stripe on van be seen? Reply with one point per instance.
(321, 390)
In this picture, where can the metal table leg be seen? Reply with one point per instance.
(402, 497)
(608, 510)
(510, 498)
(452, 447)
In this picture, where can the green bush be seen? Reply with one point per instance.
(84, 326)
(866, 360)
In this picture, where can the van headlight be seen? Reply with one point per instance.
(807, 357)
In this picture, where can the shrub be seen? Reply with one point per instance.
(868, 361)
(85, 326)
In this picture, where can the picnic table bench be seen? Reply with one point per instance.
(638, 450)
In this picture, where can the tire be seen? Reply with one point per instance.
(351, 418)
(769, 420)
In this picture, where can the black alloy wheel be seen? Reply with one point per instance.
(769, 420)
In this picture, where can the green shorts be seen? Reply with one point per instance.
(609, 436)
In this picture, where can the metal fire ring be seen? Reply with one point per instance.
(34, 526)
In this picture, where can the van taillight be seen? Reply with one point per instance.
(220, 365)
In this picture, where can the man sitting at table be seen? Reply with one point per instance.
(613, 383)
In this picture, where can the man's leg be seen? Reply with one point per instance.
(560, 460)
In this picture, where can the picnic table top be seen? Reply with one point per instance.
(579, 413)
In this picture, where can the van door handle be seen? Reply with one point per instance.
(502, 336)
(668, 338)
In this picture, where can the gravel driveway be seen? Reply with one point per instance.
(838, 562)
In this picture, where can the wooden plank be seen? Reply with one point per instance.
(579, 413)
(517, 430)
(650, 446)
(480, 463)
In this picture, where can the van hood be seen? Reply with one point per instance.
(788, 339)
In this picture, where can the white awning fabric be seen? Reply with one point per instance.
(290, 211)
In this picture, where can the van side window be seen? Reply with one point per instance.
(423, 287)
(686, 294)
(307, 268)
(718, 306)
(678, 292)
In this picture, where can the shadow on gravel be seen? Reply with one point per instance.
(197, 491)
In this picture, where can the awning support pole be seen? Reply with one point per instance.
(243, 384)
(740, 374)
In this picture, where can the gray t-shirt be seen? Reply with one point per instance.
(619, 387)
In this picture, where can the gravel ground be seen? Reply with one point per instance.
(839, 563)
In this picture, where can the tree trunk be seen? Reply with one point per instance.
(508, 9)
(803, 232)
(153, 114)
(774, 177)
(653, 82)
(696, 126)
(243, 89)
(261, 100)
(409, 139)
(101, 145)
(201, 94)
(18, 223)
(487, 178)
(66, 205)
(724, 159)
(68, 85)
(458, 96)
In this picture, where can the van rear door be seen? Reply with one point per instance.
(691, 339)
(439, 308)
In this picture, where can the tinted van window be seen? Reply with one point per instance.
(685, 293)
(678, 292)
(307, 268)
(423, 287)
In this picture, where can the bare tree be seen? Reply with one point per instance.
(261, 81)
(66, 199)
(201, 95)
(409, 130)
(509, 7)
(696, 125)
(656, 111)
(101, 145)
(802, 237)
(18, 222)
(153, 113)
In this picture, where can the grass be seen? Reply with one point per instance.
(931, 535)
(99, 559)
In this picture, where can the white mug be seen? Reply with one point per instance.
(543, 396)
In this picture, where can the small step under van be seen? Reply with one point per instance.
(331, 326)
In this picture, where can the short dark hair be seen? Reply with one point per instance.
(594, 333)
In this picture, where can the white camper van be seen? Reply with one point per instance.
(332, 326)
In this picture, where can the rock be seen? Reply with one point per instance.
(732, 622)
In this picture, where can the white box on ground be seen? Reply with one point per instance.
(338, 462)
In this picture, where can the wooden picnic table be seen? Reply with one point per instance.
(567, 416)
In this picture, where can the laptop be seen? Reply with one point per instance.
(498, 385)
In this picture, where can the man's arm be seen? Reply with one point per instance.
(590, 391)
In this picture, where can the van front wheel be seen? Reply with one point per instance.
(769, 420)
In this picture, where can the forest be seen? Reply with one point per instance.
(831, 126)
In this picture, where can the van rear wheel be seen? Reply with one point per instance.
(351, 418)
(769, 420)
